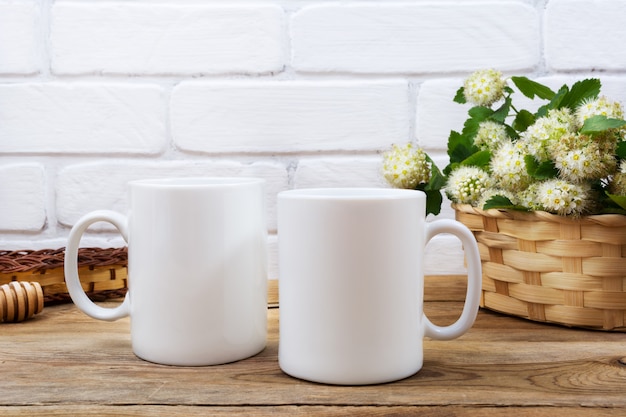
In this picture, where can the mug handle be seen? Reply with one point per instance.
(474, 278)
(72, 279)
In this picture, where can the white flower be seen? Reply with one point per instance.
(528, 197)
(509, 168)
(490, 134)
(544, 135)
(467, 184)
(545, 159)
(574, 165)
(579, 158)
(561, 197)
(601, 106)
(405, 166)
(484, 87)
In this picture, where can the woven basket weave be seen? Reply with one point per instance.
(550, 268)
(103, 272)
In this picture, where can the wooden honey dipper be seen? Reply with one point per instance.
(20, 300)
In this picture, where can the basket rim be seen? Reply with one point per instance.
(609, 219)
(46, 259)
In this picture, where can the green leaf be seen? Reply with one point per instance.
(433, 202)
(540, 170)
(480, 113)
(470, 129)
(437, 179)
(478, 159)
(512, 133)
(500, 114)
(501, 202)
(588, 89)
(620, 200)
(477, 115)
(460, 147)
(555, 103)
(460, 96)
(523, 119)
(599, 124)
(621, 150)
(532, 88)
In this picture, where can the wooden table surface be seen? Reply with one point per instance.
(63, 363)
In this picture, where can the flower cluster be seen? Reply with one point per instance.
(568, 157)
(406, 166)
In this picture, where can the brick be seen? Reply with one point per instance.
(585, 35)
(437, 114)
(339, 172)
(82, 188)
(100, 118)
(19, 36)
(22, 193)
(289, 116)
(415, 38)
(166, 38)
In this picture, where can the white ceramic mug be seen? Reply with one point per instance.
(351, 283)
(197, 265)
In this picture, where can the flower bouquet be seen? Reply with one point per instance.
(544, 193)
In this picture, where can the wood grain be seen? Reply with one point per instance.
(299, 410)
(62, 362)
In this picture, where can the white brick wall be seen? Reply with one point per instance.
(302, 93)
(289, 116)
(587, 35)
(415, 38)
(82, 117)
(22, 197)
(149, 38)
(20, 28)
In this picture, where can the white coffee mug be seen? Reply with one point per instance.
(197, 266)
(351, 283)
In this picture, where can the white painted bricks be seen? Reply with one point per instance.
(289, 116)
(415, 38)
(585, 35)
(339, 172)
(301, 93)
(20, 39)
(78, 117)
(128, 38)
(22, 200)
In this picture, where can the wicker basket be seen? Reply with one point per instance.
(103, 272)
(552, 269)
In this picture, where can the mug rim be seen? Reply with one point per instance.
(188, 182)
(351, 193)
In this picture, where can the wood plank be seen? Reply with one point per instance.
(63, 360)
(436, 288)
(298, 410)
(96, 365)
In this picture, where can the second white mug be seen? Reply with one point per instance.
(351, 284)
